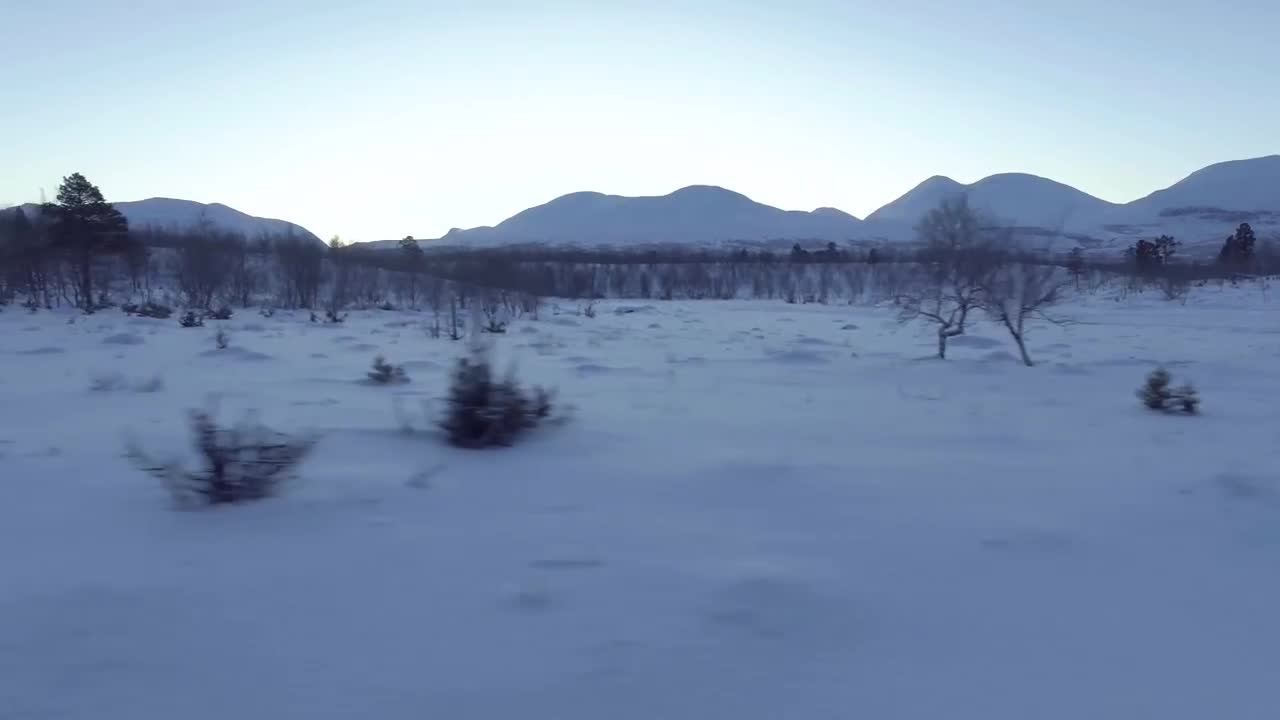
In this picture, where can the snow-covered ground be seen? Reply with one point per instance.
(757, 511)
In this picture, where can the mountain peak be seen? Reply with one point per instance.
(708, 192)
(1019, 199)
(830, 211)
(696, 214)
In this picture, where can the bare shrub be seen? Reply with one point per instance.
(1173, 285)
(242, 463)
(190, 319)
(222, 339)
(494, 313)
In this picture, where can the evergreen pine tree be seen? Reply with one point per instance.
(85, 225)
(1245, 241)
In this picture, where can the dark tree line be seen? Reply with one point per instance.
(80, 250)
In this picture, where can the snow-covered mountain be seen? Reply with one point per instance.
(1017, 199)
(172, 214)
(1203, 207)
(1199, 210)
(695, 215)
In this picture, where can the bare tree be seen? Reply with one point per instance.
(300, 263)
(205, 263)
(455, 321)
(243, 282)
(956, 265)
(1019, 290)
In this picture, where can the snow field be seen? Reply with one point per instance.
(756, 510)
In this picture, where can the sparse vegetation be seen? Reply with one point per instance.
(1157, 394)
(483, 412)
(116, 382)
(243, 463)
(384, 373)
(148, 309)
(222, 339)
(191, 319)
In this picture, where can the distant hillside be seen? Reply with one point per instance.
(1199, 210)
(1204, 206)
(172, 214)
(698, 214)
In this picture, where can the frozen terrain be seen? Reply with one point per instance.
(757, 510)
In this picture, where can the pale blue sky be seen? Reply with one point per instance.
(385, 118)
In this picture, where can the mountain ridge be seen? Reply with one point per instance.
(1195, 209)
(177, 214)
(1200, 208)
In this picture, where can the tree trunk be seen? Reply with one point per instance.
(942, 344)
(1022, 349)
(1015, 330)
(86, 278)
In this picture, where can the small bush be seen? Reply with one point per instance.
(495, 326)
(267, 312)
(387, 306)
(149, 309)
(243, 463)
(589, 310)
(384, 373)
(485, 413)
(222, 313)
(1156, 394)
(333, 317)
(189, 320)
(222, 339)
